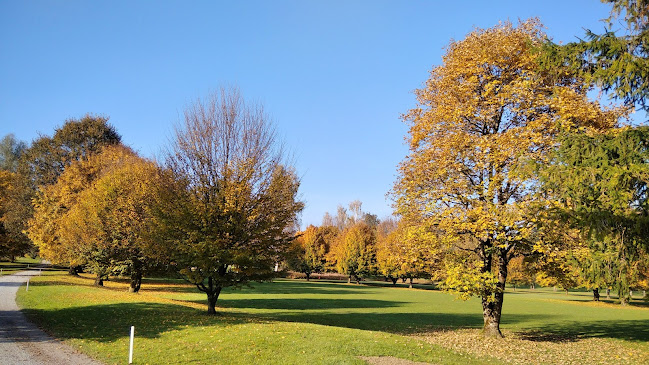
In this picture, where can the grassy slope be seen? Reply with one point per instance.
(299, 322)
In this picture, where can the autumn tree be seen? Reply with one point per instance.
(45, 160)
(518, 273)
(483, 115)
(236, 199)
(12, 243)
(355, 251)
(51, 224)
(388, 251)
(309, 251)
(110, 222)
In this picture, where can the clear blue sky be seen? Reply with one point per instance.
(335, 75)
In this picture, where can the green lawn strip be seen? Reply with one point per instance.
(20, 264)
(97, 321)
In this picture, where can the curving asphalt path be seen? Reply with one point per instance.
(21, 342)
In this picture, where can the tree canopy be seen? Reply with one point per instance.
(236, 196)
(482, 117)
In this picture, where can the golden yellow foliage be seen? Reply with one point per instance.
(482, 118)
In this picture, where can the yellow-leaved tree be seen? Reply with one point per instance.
(483, 115)
(111, 222)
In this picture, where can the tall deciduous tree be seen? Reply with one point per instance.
(50, 226)
(482, 115)
(355, 251)
(45, 160)
(111, 219)
(309, 251)
(237, 195)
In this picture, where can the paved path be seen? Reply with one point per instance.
(21, 342)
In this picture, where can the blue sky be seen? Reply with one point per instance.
(334, 75)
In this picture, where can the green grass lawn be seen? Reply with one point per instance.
(295, 322)
(21, 263)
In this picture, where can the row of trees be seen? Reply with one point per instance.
(219, 209)
(357, 244)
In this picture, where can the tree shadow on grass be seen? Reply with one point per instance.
(286, 287)
(398, 322)
(305, 287)
(630, 330)
(108, 322)
(305, 304)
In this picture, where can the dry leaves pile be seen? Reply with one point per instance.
(527, 348)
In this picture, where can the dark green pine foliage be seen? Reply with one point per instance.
(602, 182)
(616, 60)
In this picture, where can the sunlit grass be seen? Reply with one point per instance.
(21, 263)
(293, 321)
(172, 327)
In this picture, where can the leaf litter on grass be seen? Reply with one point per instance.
(525, 348)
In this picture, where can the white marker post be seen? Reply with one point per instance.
(27, 288)
(130, 351)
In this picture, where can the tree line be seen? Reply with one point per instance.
(219, 208)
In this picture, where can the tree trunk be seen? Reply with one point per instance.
(308, 275)
(394, 281)
(349, 279)
(403, 280)
(492, 303)
(533, 286)
(212, 289)
(410, 285)
(596, 294)
(136, 276)
(73, 270)
(211, 301)
(136, 282)
(491, 312)
(99, 280)
(608, 293)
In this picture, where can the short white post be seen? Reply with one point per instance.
(27, 288)
(28, 266)
(130, 350)
(40, 272)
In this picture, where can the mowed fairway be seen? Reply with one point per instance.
(297, 322)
